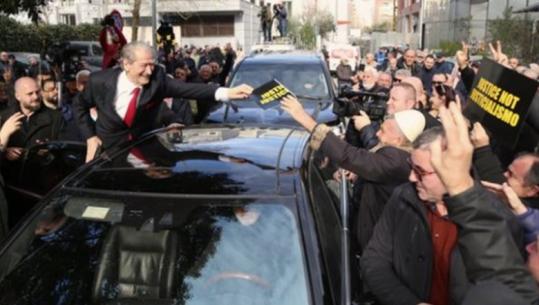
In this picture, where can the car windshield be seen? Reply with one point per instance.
(95, 250)
(304, 80)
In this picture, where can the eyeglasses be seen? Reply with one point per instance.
(418, 171)
(434, 83)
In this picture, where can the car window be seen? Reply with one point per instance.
(80, 49)
(96, 50)
(325, 206)
(45, 165)
(84, 250)
(301, 79)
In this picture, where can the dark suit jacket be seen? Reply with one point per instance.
(110, 127)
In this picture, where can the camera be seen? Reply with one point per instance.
(67, 57)
(373, 103)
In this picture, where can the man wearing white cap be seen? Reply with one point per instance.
(380, 169)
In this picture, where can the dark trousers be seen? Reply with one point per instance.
(266, 29)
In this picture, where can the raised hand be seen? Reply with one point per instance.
(479, 136)
(293, 107)
(11, 125)
(361, 120)
(452, 160)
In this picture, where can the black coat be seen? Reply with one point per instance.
(379, 173)
(397, 263)
(488, 250)
(43, 125)
(110, 127)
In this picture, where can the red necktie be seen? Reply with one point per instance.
(132, 108)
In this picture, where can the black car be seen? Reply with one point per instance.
(303, 73)
(211, 215)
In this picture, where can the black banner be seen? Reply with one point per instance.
(270, 94)
(500, 100)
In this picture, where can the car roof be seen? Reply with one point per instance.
(214, 159)
(301, 57)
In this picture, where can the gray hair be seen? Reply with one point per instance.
(82, 73)
(403, 73)
(532, 176)
(129, 50)
(427, 137)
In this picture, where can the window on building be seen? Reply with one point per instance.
(68, 19)
(200, 26)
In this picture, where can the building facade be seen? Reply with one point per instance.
(408, 16)
(199, 22)
(456, 20)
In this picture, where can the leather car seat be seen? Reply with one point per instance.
(136, 264)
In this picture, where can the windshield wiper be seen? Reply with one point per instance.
(229, 104)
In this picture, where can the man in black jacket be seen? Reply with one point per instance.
(128, 99)
(413, 256)
(408, 62)
(492, 260)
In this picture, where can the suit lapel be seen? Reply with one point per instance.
(110, 94)
(149, 96)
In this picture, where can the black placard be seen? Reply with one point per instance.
(270, 94)
(500, 100)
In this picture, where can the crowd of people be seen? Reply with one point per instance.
(441, 216)
(268, 15)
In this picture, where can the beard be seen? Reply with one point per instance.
(32, 107)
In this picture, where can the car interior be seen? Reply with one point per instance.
(107, 251)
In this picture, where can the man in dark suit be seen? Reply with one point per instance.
(128, 99)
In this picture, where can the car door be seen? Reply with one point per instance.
(325, 199)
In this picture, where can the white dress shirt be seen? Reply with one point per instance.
(124, 92)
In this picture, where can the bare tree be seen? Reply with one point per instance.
(136, 20)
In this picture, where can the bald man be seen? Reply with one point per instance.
(421, 99)
(40, 124)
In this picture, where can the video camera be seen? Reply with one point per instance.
(65, 56)
(373, 103)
